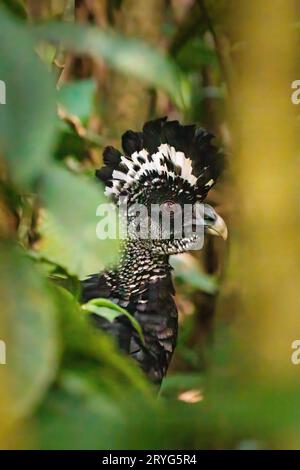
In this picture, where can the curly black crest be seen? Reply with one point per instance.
(164, 152)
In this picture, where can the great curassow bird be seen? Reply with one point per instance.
(172, 166)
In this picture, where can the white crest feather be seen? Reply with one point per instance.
(122, 180)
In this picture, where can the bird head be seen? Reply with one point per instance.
(162, 178)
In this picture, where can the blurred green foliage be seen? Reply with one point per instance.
(130, 56)
(78, 97)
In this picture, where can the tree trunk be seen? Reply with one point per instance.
(129, 100)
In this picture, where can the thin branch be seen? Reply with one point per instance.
(188, 28)
(222, 48)
(76, 125)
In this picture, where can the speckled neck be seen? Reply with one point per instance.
(138, 266)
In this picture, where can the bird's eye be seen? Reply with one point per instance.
(170, 206)
(209, 213)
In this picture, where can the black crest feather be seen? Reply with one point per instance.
(206, 160)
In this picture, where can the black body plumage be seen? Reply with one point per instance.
(167, 161)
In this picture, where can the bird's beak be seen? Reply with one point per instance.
(214, 224)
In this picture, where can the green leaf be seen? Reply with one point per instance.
(104, 312)
(92, 354)
(69, 226)
(130, 56)
(27, 120)
(194, 277)
(29, 316)
(194, 54)
(77, 98)
(109, 310)
(57, 273)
